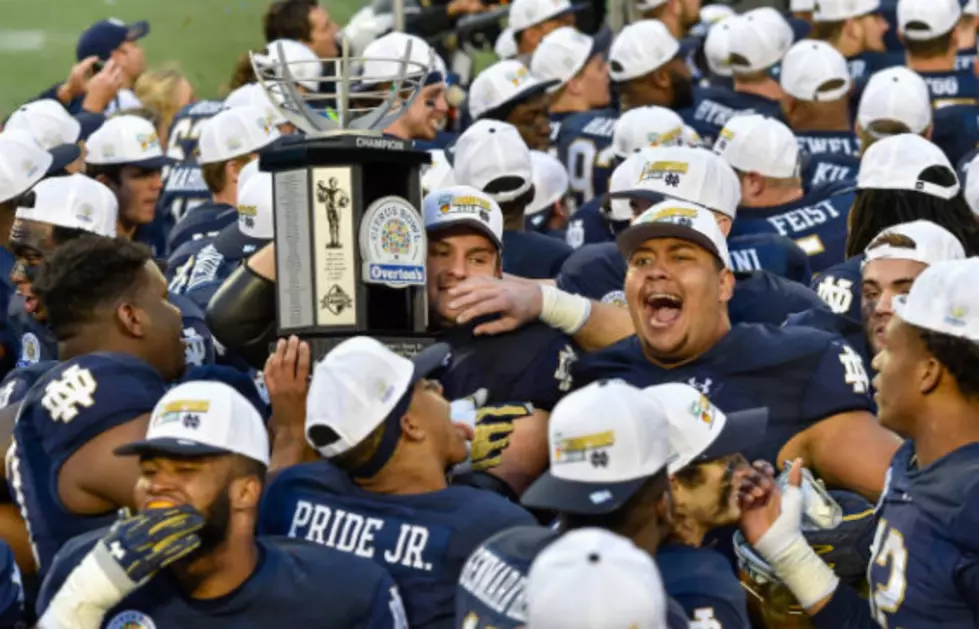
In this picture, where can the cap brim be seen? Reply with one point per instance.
(429, 360)
(63, 155)
(743, 431)
(468, 222)
(153, 163)
(168, 445)
(632, 238)
(137, 30)
(231, 242)
(90, 123)
(601, 42)
(528, 92)
(557, 494)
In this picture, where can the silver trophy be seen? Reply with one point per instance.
(349, 235)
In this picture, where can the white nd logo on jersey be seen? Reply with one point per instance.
(836, 292)
(75, 388)
(854, 373)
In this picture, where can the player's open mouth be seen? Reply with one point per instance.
(663, 309)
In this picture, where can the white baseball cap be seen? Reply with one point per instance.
(839, 10)
(605, 441)
(645, 127)
(203, 418)
(253, 94)
(50, 124)
(463, 205)
(676, 219)
(687, 173)
(234, 133)
(505, 46)
(699, 431)
(971, 7)
(814, 70)
(527, 13)
(126, 140)
(754, 143)
(438, 174)
(896, 163)
(551, 183)
(943, 299)
(23, 163)
(932, 244)
(897, 94)
(802, 6)
(640, 48)
(649, 5)
(489, 150)
(564, 52)
(972, 185)
(74, 201)
(255, 215)
(760, 38)
(504, 83)
(303, 64)
(717, 48)
(714, 13)
(360, 385)
(592, 578)
(624, 179)
(927, 19)
(383, 57)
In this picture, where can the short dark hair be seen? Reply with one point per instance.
(827, 31)
(927, 48)
(959, 356)
(112, 172)
(84, 274)
(875, 210)
(650, 492)
(288, 19)
(513, 207)
(247, 466)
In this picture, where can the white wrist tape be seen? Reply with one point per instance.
(562, 310)
(95, 586)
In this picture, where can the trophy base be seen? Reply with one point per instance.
(406, 346)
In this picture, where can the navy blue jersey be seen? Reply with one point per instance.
(217, 260)
(8, 339)
(769, 252)
(18, 382)
(294, 584)
(956, 130)
(183, 191)
(925, 567)
(828, 168)
(714, 106)
(584, 146)
(817, 223)
(801, 375)
(491, 591)
(952, 88)
(186, 129)
(701, 580)
(864, 64)
(852, 330)
(556, 119)
(533, 255)
(598, 272)
(181, 263)
(11, 589)
(198, 342)
(35, 340)
(423, 540)
(530, 364)
(590, 225)
(840, 287)
(442, 140)
(965, 60)
(68, 406)
(207, 220)
(832, 142)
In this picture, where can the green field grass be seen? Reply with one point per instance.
(38, 37)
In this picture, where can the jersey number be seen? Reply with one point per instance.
(583, 157)
(185, 129)
(73, 389)
(889, 548)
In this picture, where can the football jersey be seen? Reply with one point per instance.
(965, 60)
(533, 255)
(590, 225)
(769, 252)
(955, 130)
(215, 261)
(198, 342)
(584, 146)
(827, 168)
(207, 220)
(12, 611)
(18, 382)
(423, 540)
(68, 406)
(832, 142)
(714, 106)
(36, 341)
(801, 375)
(294, 584)
(839, 287)
(702, 582)
(957, 87)
(8, 338)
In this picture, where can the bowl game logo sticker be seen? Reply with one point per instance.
(131, 619)
(393, 245)
(333, 244)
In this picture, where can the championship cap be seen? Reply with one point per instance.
(127, 141)
(972, 185)
(252, 94)
(506, 44)
(527, 13)
(592, 578)
(490, 150)
(713, 14)
(234, 133)
(758, 144)
(503, 84)
(758, 40)
(717, 48)
(927, 19)
(686, 173)
(605, 440)
(624, 179)
(646, 127)
(932, 244)
(676, 219)
(943, 299)
(102, 38)
(896, 163)
(699, 431)
(360, 385)
(897, 94)
(802, 6)
(839, 10)
(641, 48)
(815, 71)
(255, 226)
(203, 418)
(438, 174)
(463, 205)
(74, 201)
(304, 66)
(22, 164)
(382, 58)
(564, 52)
(551, 183)
(650, 5)
(51, 125)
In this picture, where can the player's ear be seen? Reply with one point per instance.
(245, 493)
(931, 375)
(132, 319)
(726, 285)
(411, 428)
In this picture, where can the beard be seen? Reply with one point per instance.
(217, 523)
(682, 91)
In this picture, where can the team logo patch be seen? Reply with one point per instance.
(668, 172)
(615, 298)
(679, 215)
(336, 300)
(393, 244)
(131, 619)
(186, 411)
(147, 141)
(703, 410)
(518, 77)
(246, 215)
(30, 168)
(669, 138)
(956, 316)
(30, 349)
(585, 447)
(85, 213)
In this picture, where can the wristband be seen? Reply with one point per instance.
(562, 310)
(94, 587)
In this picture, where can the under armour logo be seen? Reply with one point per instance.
(672, 179)
(192, 421)
(599, 459)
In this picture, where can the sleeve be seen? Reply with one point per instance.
(840, 290)
(838, 384)
(547, 377)
(387, 610)
(710, 612)
(270, 509)
(799, 268)
(14, 388)
(845, 610)
(70, 555)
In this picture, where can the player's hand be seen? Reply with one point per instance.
(76, 83)
(147, 542)
(287, 381)
(517, 301)
(494, 425)
(103, 87)
(768, 512)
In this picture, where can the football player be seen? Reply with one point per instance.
(190, 557)
(380, 492)
(507, 92)
(857, 32)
